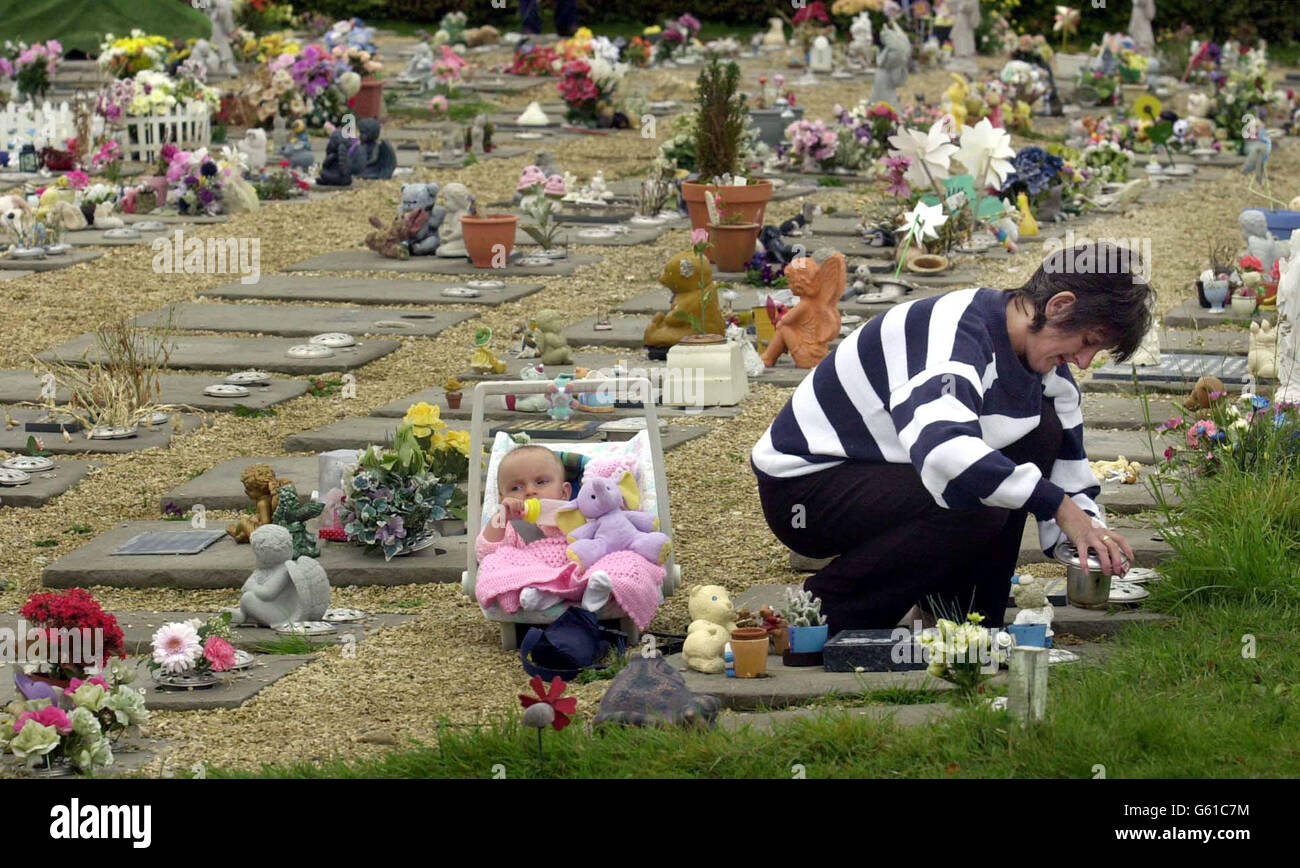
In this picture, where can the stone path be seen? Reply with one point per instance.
(75, 256)
(302, 320)
(220, 488)
(226, 564)
(1176, 371)
(367, 260)
(280, 287)
(15, 439)
(46, 485)
(437, 397)
(184, 389)
(212, 353)
(95, 238)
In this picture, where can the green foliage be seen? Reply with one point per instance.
(322, 388)
(720, 120)
(290, 644)
(830, 181)
(45, 543)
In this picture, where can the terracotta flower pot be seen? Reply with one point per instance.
(749, 201)
(733, 244)
(453, 400)
(486, 238)
(369, 100)
(780, 639)
(749, 645)
(927, 263)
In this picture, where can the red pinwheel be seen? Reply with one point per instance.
(559, 709)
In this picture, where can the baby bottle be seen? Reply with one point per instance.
(542, 510)
(729, 661)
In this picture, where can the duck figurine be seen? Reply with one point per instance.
(1028, 225)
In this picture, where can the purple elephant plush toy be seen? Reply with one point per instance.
(597, 524)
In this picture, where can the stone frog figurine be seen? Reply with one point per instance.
(280, 589)
(550, 339)
(380, 159)
(807, 328)
(710, 629)
(695, 300)
(424, 241)
(291, 513)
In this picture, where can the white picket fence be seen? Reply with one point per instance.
(40, 126)
(187, 126)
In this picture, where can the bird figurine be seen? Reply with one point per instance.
(1256, 165)
(1028, 225)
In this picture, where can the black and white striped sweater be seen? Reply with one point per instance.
(935, 382)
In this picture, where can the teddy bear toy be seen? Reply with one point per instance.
(1030, 594)
(421, 197)
(597, 524)
(710, 629)
(1205, 387)
(391, 241)
(694, 307)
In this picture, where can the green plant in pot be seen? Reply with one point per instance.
(720, 116)
(808, 627)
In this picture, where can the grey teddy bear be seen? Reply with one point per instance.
(423, 196)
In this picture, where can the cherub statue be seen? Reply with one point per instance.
(551, 344)
(222, 14)
(694, 308)
(253, 147)
(281, 589)
(293, 514)
(863, 47)
(455, 202)
(262, 487)
(1139, 25)
(419, 69)
(807, 329)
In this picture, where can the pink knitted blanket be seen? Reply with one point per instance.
(509, 566)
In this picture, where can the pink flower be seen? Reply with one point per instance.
(699, 236)
(78, 180)
(1169, 455)
(438, 105)
(48, 716)
(77, 682)
(219, 653)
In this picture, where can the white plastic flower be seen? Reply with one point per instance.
(929, 150)
(986, 148)
(176, 647)
(923, 221)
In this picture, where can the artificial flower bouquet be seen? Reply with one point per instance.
(964, 654)
(259, 49)
(536, 60)
(280, 183)
(811, 145)
(32, 67)
(77, 725)
(107, 160)
(194, 181)
(676, 36)
(1109, 160)
(263, 16)
(124, 57)
(1247, 431)
(588, 89)
(193, 647)
(812, 20)
(72, 617)
(392, 496)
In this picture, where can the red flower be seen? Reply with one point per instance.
(284, 164)
(1251, 263)
(551, 696)
(815, 11)
(74, 609)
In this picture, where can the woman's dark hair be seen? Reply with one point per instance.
(1110, 289)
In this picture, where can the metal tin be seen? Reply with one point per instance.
(1085, 587)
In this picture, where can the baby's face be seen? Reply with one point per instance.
(532, 474)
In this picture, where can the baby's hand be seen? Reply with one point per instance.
(512, 508)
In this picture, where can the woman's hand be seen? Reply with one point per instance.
(1113, 551)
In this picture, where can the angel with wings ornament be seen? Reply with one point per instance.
(806, 330)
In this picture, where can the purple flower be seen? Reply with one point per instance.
(206, 196)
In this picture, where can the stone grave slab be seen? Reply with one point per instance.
(361, 259)
(504, 83)
(15, 439)
(627, 331)
(1149, 549)
(1109, 445)
(366, 291)
(17, 386)
(1191, 315)
(437, 397)
(1084, 623)
(75, 256)
(846, 244)
(1221, 341)
(303, 321)
(226, 564)
(834, 225)
(953, 277)
(1126, 412)
(91, 237)
(233, 690)
(574, 235)
(13, 274)
(1126, 499)
(786, 686)
(138, 629)
(581, 359)
(174, 217)
(215, 353)
(46, 486)
(922, 714)
(356, 432)
(220, 488)
(1176, 371)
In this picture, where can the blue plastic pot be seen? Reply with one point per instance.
(808, 640)
(1029, 635)
(1281, 223)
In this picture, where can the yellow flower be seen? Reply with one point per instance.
(458, 440)
(651, 31)
(424, 419)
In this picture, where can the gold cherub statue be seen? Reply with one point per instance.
(262, 487)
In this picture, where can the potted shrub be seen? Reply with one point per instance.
(808, 628)
(719, 135)
(490, 238)
(452, 386)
